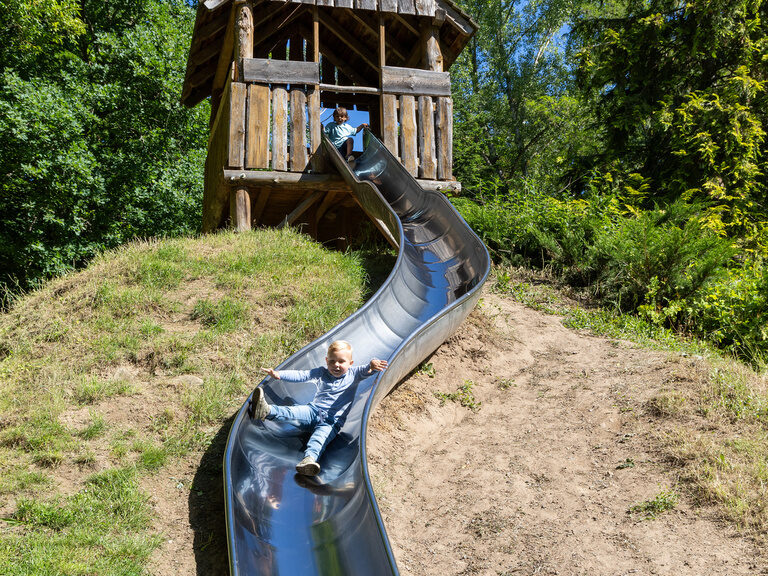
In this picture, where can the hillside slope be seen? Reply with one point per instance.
(520, 446)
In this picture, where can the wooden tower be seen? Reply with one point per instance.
(270, 66)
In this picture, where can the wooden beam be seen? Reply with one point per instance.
(225, 57)
(426, 130)
(257, 146)
(279, 128)
(202, 56)
(238, 97)
(299, 158)
(450, 187)
(408, 141)
(325, 204)
(350, 89)
(260, 204)
(295, 180)
(243, 37)
(430, 41)
(395, 80)
(405, 24)
(338, 61)
(315, 36)
(389, 111)
(240, 209)
(444, 138)
(346, 38)
(316, 150)
(270, 71)
(277, 23)
(303, 206)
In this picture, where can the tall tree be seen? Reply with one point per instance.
(516, 119)
(680, 87)
(96, 148)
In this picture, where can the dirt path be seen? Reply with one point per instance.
(540, 479)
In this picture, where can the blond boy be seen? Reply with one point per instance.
(326, 411)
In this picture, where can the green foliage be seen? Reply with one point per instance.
(97, 150)
(732, 310)
(464, 396)
(679, 88)
(516, 118)
(533, 228)
(663, 502)
(665, 264)
(663, 256)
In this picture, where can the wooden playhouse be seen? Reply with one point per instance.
(271, 66)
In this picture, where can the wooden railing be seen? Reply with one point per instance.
(273, 118)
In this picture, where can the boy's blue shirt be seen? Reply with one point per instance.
(334, 395)
(338, 133)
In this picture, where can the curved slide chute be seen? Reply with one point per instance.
(280, 523)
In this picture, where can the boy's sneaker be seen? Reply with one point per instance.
(351, 161)
(258, 408)
(308, 467)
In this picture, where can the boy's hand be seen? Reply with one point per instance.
(378, 365)
(272, 372)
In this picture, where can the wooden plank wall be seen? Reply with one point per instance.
(419, 132)
(263, 123)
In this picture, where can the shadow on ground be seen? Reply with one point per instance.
(206, 508)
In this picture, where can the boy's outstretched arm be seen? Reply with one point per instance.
(272, 372)
(377, 365)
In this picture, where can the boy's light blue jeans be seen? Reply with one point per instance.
(323, 430)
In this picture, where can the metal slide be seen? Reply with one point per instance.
(280, 523)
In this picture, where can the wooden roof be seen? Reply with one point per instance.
(348, 37)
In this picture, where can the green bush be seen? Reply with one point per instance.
(660, 257)
(665, 264)
(732, 310)
(534, 229)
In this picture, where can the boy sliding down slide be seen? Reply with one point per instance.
(326, 410)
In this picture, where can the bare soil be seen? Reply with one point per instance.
(538, 479)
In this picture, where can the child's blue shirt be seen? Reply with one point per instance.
(334, 395)
(338, 133)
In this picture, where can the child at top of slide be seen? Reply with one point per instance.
(340, 133)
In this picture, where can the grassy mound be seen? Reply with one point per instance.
(110, 374)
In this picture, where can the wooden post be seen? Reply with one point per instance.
(240, 209)
(427, 161)
(430, 39)
(237, 96)
(408, 150)
(243, 36)
(298, 130)
(444, 138)
(382, 63)
(317, 154)
(279, 128)
(389, 126)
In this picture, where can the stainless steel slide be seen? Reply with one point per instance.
(282, 523)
